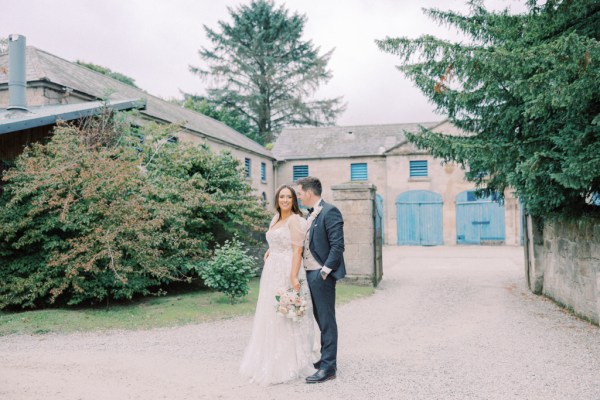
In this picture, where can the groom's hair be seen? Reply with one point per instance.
(311, 183)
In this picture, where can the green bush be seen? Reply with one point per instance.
(98, 214)
(230, 270)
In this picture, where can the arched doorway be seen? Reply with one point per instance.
(419, 218)
(478, 220)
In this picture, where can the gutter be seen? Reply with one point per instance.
(14, 122)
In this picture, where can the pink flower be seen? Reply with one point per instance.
(290, 304)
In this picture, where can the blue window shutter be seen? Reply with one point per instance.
(263, 171)
(358, 172)
(300, 171)
(247, 165)
(418, 168)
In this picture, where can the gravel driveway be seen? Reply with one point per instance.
(445, 323)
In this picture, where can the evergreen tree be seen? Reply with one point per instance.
(263, 70)
(526, 89)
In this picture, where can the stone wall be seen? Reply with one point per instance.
(563, 263)
(362, 255)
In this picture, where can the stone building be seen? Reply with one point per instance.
(54, 88)
(423, 202)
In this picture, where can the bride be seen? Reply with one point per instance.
(281, 349)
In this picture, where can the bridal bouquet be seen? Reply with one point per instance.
(290, 304)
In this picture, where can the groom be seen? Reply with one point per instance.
(323, 259)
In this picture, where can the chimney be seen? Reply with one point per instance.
(17, 80)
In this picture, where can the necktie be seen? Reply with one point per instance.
(310, 210)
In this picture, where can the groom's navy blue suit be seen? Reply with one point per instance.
(326, 235)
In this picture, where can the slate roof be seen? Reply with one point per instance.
(45, 67)
(342, 141)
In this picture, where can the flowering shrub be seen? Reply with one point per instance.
(98, 214)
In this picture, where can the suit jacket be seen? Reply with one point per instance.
(327, 239)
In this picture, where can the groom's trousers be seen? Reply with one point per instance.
(323, 298)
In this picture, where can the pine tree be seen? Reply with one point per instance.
(526, 87)
(263, 70)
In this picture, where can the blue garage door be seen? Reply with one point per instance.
(419, 214)
(478, 219)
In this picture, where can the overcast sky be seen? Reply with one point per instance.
(154, 42)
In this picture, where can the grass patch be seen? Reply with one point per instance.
(154, 312)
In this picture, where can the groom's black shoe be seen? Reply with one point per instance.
(321, 376)
(317, 365)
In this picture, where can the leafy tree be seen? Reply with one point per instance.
(108, 72)
(224, 204)
(263, 70)
(227, 116)
(98, 214)
(526, 88)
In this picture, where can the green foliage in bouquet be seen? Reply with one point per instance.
(230, 270)
(106, 211)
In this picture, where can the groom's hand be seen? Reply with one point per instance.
(324, 272)
(266, 255)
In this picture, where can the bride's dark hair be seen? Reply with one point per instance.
(295, 207)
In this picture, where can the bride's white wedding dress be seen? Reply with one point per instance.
(280, 349)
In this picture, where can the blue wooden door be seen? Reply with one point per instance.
(478, 219)
(419, 217)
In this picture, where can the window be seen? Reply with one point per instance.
(300, 171)
(263, 172)
(473, 196)
(358, 172)
(264, 199)
(247, 164)
(418, 168)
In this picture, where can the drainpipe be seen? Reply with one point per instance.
(17, 80)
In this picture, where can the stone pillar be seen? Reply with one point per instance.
(362, 255)
(534, 250)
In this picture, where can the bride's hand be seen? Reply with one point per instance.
(266, 255)
(295, 283)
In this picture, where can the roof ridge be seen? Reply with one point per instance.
(141, 93)
(364, 125)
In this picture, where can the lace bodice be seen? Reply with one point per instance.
(291, 233)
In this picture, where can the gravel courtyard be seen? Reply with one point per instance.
(445, 323)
